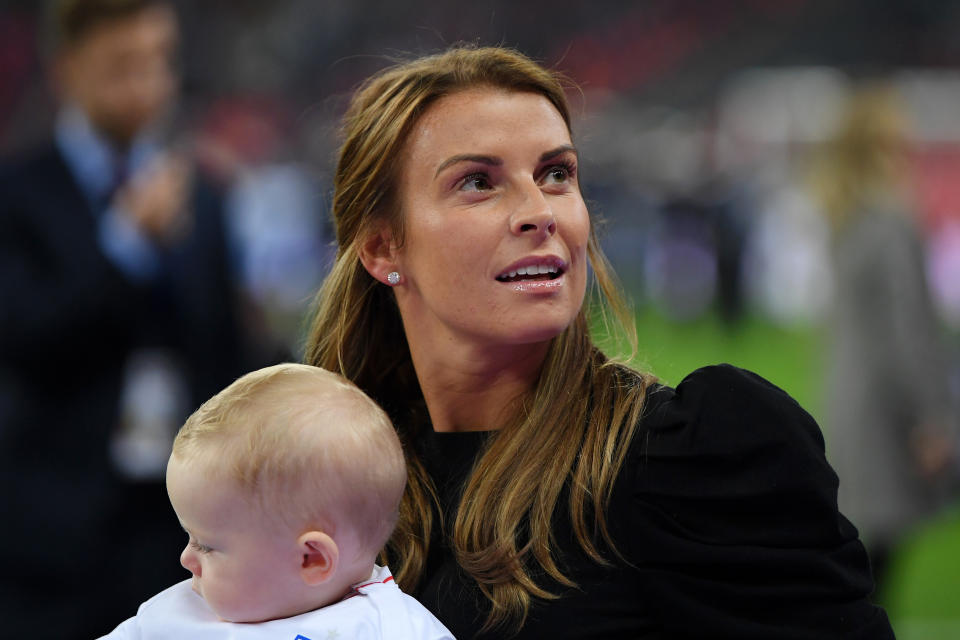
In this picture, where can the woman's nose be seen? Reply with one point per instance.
(533, 214)
(189, 560)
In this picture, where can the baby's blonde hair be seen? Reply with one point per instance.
(307, 447)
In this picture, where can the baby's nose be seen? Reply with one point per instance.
(188, 558)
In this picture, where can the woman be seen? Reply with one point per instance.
(552, 492)
(888, 403)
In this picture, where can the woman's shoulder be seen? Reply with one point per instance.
(727, 504)
(726, 441)
(726, 410)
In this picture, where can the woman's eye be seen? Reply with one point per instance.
(476, 182)
(557, 175)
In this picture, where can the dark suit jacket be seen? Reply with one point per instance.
(68, 321)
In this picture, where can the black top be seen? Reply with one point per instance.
(726, 509)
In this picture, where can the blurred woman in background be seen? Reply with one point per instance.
(887, 400)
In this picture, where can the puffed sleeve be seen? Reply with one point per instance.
(729, 514)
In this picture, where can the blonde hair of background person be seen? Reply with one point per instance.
(305, 445)
(862, 166)
(358, 332)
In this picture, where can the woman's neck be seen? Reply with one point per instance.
(472, 387)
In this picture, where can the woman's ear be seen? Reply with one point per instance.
(319, 557)
(378, 253)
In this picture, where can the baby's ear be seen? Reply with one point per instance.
(319, 557)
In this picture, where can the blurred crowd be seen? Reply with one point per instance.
(741, 170)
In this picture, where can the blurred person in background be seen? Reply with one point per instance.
(117, 316)
(888, 426)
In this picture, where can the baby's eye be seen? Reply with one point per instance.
(476, 182)
(200, 548)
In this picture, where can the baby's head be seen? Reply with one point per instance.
(288, 483)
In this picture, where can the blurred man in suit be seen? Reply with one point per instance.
(110, 247)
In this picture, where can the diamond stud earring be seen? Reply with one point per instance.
(393, 278)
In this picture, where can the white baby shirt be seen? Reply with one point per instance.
(375, 609)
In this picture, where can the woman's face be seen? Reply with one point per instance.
(495, 227)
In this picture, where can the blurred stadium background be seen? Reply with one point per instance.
(696, 122)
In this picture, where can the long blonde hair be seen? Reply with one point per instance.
(574, 426)
(862, 166)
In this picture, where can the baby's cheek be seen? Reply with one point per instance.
(235, 605)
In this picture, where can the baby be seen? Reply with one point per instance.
(288, 483)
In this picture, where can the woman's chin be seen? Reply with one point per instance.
(534, 333)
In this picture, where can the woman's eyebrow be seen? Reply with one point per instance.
(496, 162)
(468, 157)
(553, 153)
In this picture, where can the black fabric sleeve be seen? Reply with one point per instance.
(730, 516)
